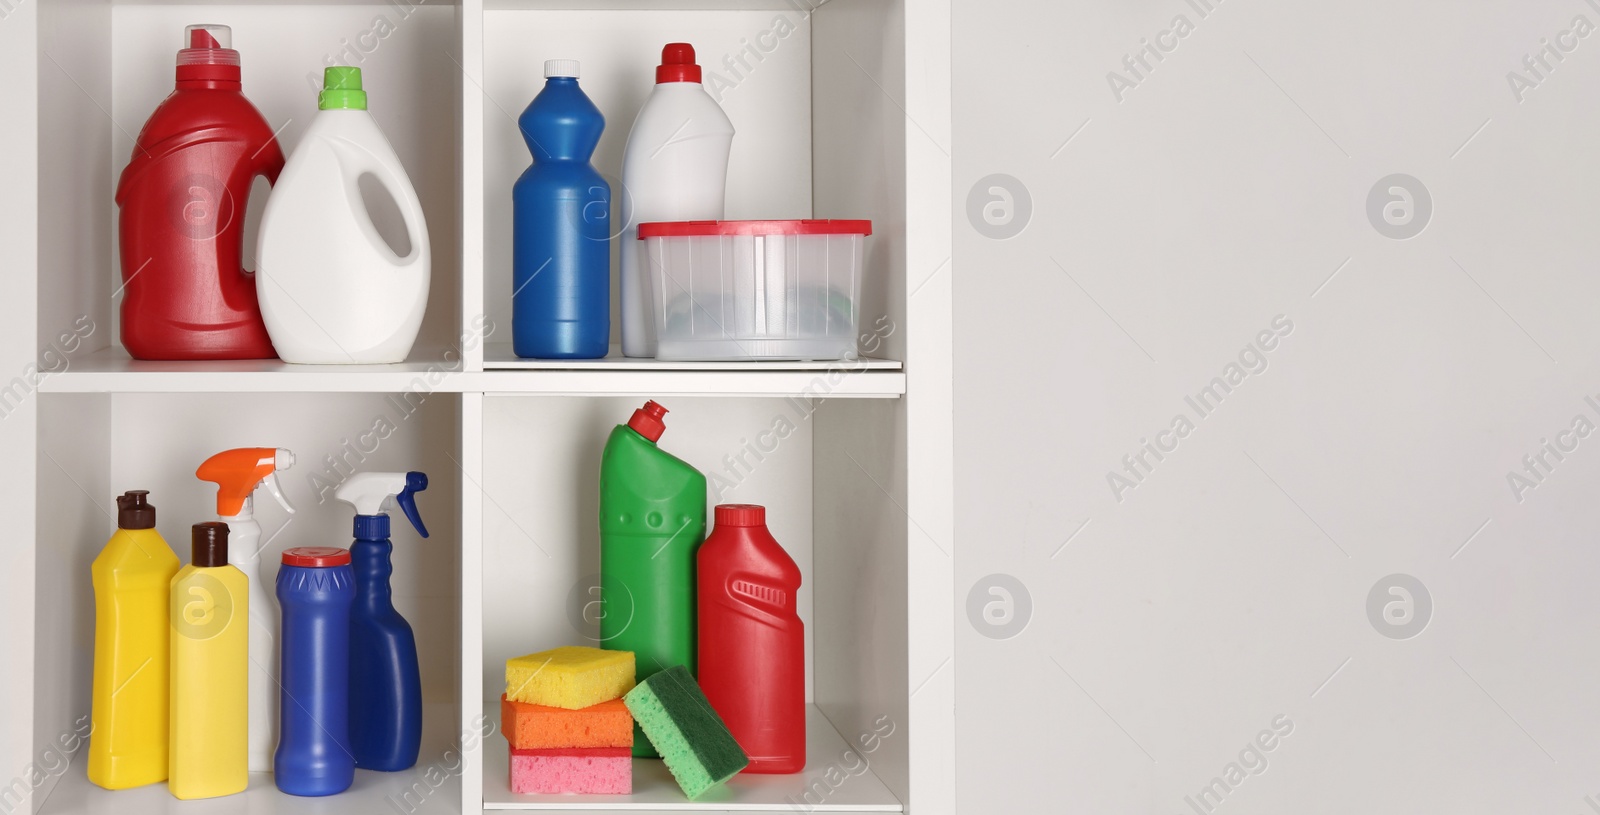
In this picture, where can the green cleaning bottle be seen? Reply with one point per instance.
(652, 520)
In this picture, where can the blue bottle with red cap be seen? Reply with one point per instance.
(315, 589)
(561, 227)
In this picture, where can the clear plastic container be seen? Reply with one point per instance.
(755, 289)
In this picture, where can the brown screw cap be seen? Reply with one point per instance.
(133, 512)
(210, 541)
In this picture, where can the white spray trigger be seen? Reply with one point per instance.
(270, 483)
(371, 493)
(382, 493)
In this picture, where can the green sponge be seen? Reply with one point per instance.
(683, 728)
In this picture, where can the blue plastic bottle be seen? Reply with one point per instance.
(561, 215)
(315, 589)
(385, 681)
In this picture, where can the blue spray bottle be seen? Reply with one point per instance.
(385, 682)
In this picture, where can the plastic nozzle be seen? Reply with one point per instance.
(646, 421)
(407, 499)
(379, 493)
(208, 44)
(134, 510)
(238, 472)
(208, 35)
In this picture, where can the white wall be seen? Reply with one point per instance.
(1226, 187)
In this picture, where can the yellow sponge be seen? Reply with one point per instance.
(571, 677)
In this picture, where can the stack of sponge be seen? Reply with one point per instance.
(568, 727)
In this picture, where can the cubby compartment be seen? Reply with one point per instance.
(796, 456)
(92, 447)
(104, 67)
(758, 61)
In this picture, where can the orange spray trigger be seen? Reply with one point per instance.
(238, 472)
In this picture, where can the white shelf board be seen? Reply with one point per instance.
(845, 384)
(642, 5)
(113, 371)
(655, 790)
(499, 356)
(431, 782)
(274, 2)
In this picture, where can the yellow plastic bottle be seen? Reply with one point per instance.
(210, 747)
(128, 700)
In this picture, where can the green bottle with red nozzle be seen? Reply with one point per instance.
(652, 520)
(238, 473)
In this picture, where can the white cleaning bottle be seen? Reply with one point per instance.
(675, 168)
(237, 474)
(331, 289)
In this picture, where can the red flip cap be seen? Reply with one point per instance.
(677, 64)
(647, 422)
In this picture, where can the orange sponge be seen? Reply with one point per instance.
(539, 727)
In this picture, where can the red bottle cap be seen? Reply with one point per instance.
(677, 64)
(207, 55)
(647, 422)
(316, 557)
(741, 515)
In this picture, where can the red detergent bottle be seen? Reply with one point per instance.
(181, 203)
(752, 641)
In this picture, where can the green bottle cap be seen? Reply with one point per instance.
(341, 89)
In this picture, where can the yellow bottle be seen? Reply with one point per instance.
(210, 747)
(128, 745)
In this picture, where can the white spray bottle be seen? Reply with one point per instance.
(237, 474)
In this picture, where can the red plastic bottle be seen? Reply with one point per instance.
(181, 224)
(752, 642)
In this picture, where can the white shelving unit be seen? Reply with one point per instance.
(841, 111)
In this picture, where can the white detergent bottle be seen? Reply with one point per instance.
(675, 168)
(237, 474)
(332, 290)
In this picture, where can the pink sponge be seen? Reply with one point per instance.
(601, 770)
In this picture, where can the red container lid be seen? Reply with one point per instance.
(316, 557)
(741, 515)
(683, 229)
